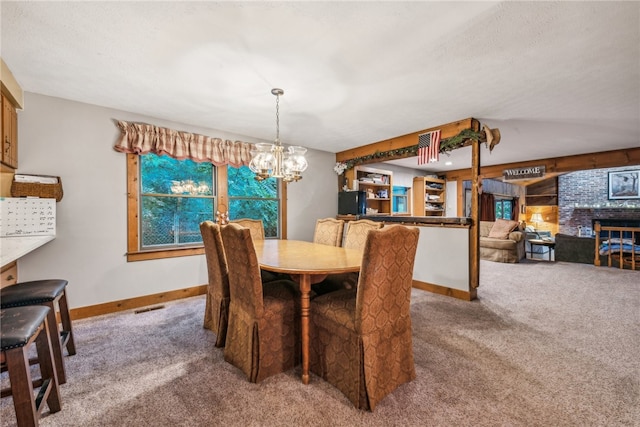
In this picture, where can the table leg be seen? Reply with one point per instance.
(305, 289)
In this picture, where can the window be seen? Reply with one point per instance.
(400, 198)
(168, 199)
(503, 208)
(253, 199)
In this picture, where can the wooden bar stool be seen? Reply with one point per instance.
(20, 328)
(50, 292)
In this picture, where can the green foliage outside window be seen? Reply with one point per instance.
(503, 209)
(253, 199)
(175, 197)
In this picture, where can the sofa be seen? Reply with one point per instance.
(502, 243)
(575, 249)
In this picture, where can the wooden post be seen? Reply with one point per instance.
(474, 232)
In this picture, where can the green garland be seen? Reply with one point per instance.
(381, 155)
(446, 146)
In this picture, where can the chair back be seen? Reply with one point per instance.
(328, 231)
(386, 275)
(254, 225)
(217, 268)
(357, 232)
(245, 285)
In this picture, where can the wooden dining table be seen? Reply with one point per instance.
(308, 261)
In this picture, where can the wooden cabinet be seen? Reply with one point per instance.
(9, 275)
(377, 183)
(9, 155)
(429, 196)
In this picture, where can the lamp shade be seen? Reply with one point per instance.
(536, 217)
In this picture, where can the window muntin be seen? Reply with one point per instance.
(175, 197)
(253, 199)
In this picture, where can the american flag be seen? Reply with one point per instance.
(429, 147)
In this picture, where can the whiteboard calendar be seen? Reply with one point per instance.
(27, 217)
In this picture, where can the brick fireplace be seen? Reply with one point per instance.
(583, 197)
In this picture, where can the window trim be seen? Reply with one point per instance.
(133, 208)
(133, 227)
(502, 201)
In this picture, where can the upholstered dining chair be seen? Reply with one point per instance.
(357, 231)
(255, 225)
(264, 325)
(328, 231)
(361, 338)
(216, 312)
(355, 238)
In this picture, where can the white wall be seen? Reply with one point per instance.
(451, 206)
(75, 141)
(315, 196)
(402, 177)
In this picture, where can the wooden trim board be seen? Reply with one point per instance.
(131, 303)
(558, 165)
(441, 290)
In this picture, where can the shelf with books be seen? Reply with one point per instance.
(429, 196)
(377, 183)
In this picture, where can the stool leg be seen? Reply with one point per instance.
(56, 343)
(47, 368)
(21, 386)
(66, 323)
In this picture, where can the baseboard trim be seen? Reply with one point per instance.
(143, 301)
(442, 290)
(137, 302)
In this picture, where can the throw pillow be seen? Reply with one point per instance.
(502, 227)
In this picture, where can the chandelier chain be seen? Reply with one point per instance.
(278, 118)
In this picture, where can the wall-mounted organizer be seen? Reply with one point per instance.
(43, 186)
(27, 217)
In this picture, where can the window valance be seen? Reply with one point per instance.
(143, 138)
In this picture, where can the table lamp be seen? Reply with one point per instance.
(536, 218)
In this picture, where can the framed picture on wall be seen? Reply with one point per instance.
(624, 185)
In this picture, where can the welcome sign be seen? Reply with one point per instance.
(523, 173)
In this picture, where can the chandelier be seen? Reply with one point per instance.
(272, 160)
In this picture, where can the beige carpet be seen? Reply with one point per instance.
(546, 344)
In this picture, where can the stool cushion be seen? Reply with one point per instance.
(19, 324)
(30, 293)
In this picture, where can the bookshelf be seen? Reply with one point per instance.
(377, 184)
(429, 196)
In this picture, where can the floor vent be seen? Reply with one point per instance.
(144, 310)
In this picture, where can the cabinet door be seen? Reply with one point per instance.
(9, 134)
(9, 275)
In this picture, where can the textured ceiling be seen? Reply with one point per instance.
(557, 78)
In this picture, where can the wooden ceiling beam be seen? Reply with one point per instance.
(448, 130)
(558, 165)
